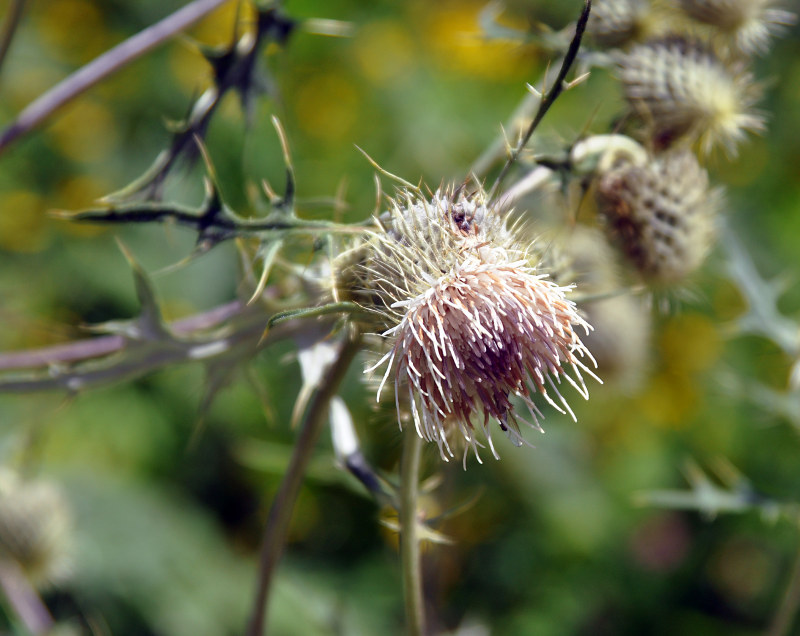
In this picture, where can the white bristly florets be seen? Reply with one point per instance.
(661, 213)
(471, 322)
(746, 25)
(681, 89)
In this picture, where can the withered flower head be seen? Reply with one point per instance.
(472, 323)
(661, 213)
(614, 23)
(681, 89)
(34, 529)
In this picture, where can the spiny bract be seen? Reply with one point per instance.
(661, 213)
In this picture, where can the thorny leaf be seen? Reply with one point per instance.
(235, 68)
(784, 404)
(148, 343)
(762, 317)
(710, 499)
(214, 221)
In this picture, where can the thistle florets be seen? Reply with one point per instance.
(471, 322)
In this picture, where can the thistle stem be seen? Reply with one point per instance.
(409, 539)
(280, 512)
(550, 97)
(101, 67)
(24, 600)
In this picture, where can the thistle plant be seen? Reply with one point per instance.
(451, 311)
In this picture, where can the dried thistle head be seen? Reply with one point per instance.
(471, 322)
(745, 25)
(34, 529)
(661, 213)
(681, 89)
(615, 23)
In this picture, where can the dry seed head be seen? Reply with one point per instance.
(471, 322)
(680, 89)
(662, 214)
(615, 23)
(34, 529)
(746, 25)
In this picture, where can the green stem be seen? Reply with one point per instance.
(787, 611)
(280, 512)
(409, 540)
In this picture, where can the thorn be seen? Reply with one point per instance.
(375, 165)
(532, 89)
(578, 80)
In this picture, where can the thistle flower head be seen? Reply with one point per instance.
(680, 88)
(747, 25)
(471, 322)
(662, 214)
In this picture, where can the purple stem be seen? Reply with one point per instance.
(109, 62)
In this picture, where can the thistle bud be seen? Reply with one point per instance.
(680, 89)
(34, 525)
(745, 25)
(662, 214)
(472, 323)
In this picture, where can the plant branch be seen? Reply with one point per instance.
(107, 64)
(78, 366)
(551, 95)
(409, 539)
(787, 611)
(280, 513)
(106, 345)
(10, 28)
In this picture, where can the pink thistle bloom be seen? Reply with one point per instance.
(474, 323)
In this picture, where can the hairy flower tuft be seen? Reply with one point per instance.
(680, 88)
(662, 214)
(471, 322)
(747, 25)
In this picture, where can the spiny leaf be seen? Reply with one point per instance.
(235, 68)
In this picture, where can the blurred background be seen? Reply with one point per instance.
(162, 517)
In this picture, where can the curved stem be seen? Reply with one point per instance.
(409, 539)
(280, 512)
(99, 68)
